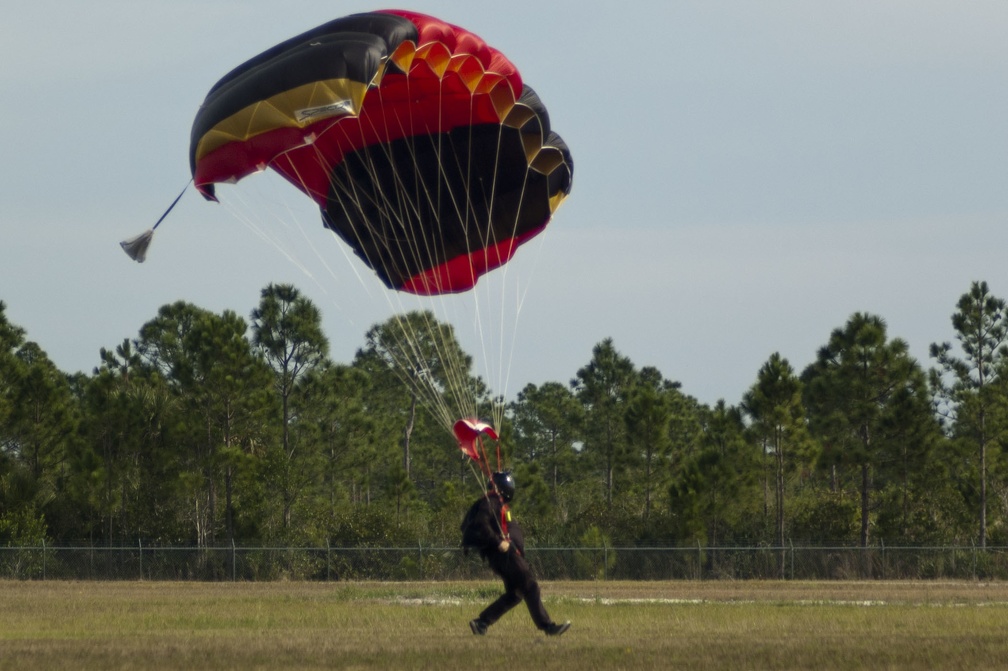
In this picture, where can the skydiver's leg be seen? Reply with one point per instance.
(509, 572)
(533, 599)
(521, 580)
(526, 584)
(503, 604)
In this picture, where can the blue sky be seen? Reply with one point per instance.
(747, 175)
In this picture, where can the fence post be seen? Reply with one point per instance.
(234, 562)
(605, 560)
(140, 546)
(328, 560)
(43, 559)
(420, 566)
(791, 543)
(699, 561)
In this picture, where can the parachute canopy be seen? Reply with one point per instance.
(422, 146)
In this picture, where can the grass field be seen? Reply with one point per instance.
(616, 625)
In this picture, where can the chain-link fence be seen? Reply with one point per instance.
(794, 562)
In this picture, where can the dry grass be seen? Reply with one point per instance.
(893, 592)
(689, 625)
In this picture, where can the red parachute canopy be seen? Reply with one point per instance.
(422, 146)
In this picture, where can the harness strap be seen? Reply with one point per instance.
(505, 518)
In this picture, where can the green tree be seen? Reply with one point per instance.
(181, 345)
(125, 472)
(711, 490)
(336, 398)
(774, 405)
(11, 339)
(287, 330)
(424, 355)
(124, 361)
(43, 415)
(853, 392)
(967, 384)
(547, 420)
(228, 387)
(647, 416)
(34, 402)
(918, 502)
(603, 387)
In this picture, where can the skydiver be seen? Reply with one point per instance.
(489, 529)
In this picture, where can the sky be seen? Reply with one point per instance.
(747, 175)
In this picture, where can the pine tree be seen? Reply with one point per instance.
(966, 384)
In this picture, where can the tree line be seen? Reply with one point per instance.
(209, 429)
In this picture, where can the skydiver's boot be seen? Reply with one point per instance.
(557, 629)
(478, 626)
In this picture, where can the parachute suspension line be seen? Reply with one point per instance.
(420, 248)
(257, 216)
(499, 407)
(485, 471)
(494, 356)
(506, 370)
(292, 173)
(410, 366)
(244, 214)
(383, 212)
(405, 353)
(397, 210)
(521, 291)
(466, 211)
(350, 198)
(253, 214)
(481, 477)
(448, 157)
(324, 163)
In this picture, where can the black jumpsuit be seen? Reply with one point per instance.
(482, 531)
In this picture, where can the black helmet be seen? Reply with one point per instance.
(504, 484)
